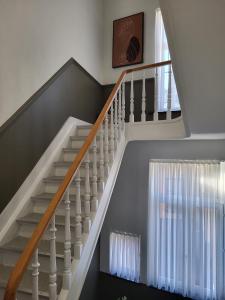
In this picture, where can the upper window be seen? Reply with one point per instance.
(162, 54)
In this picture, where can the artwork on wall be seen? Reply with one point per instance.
(128, 40)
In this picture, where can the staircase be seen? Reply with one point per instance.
(11, 251)
(49, 252)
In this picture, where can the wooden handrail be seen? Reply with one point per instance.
(24, 259)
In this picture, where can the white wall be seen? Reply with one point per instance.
(38, 37)
(115, 9)
(195, 31)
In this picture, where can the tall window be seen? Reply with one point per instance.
(185, 240)
(125, 256)
(161, 54)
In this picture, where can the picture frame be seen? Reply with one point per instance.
(128, 40)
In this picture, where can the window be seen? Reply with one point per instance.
(125, 256)
(185, 235)
(161, 54)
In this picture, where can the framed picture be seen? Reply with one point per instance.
(128, 40)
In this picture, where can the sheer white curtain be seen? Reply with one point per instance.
(161, 54)
(185, 231)
(125, 256)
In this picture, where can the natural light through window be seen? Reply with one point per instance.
(186, 228)
(162, 54)
(125, 255)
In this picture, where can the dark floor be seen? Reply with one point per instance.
(112, 288)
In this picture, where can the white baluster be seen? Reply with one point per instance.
(53, 267)
(155, 116)
(169, 100)
(116, 135)
(123, 106)
(67, 244)
(101, 160)
(143, 101)
(87, 196)
(78, 227)
(120, 113)
(94, 200)
(106, 146)
(131, 119)
(35, 274)
(112, 146)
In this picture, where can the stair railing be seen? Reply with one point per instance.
(108, 130)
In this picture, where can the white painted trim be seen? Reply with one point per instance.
(80, 268)
(156, 130)
(20, 204)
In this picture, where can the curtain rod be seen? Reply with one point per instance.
(191, 161)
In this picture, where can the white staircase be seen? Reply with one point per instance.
(11, 250)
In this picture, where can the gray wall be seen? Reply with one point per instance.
(27, 134)
(128, 206)
(90, 290)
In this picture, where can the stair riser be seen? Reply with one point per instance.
(70, 156)
(83, 132)
(61, 171)
(26, 229)
(79, 143)
(40, 206)
(53, 187)
(10, 257)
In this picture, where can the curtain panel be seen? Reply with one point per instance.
(125, 256)
(185, 229)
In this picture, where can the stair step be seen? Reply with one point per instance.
(61, 168)
(76, 150)
(67, 164)
(18, 244)
(49, 196)
(34, 218)
(28, 223)
(11, 251)
(83, 131)
(42, 201)
(70, 153)
(58, 179)
(78, 141)
(26, 283)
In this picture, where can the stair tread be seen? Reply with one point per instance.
(84, 126)
(25, 290)
(19, 243)
(35, 218)
(58, 179)
(76, 149)
(26, 282)
(81, 138)
(62, 163)
(49, 196)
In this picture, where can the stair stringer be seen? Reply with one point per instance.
(80, 267)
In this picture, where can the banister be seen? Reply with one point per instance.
(25, 257)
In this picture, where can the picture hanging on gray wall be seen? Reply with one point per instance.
(128, 40)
